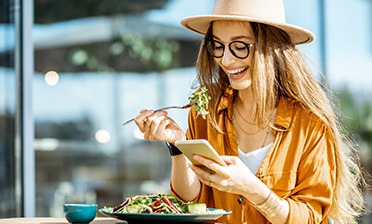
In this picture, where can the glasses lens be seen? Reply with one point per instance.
(239, 49)
(215, 48)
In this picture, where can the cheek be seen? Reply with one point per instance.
(218, 61)
(249, 59)
(252, 53)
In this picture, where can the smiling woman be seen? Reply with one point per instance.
(264, 99)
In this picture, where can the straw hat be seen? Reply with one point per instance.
(270, 12)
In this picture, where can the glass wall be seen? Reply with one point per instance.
(16, 127)
(96, 65)
(8, 101)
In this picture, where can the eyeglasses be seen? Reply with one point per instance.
(238, 48)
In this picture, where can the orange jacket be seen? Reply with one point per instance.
(299, 167)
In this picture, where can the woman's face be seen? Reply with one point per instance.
(236, 69)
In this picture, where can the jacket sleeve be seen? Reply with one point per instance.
(197, 126)
(311, 199)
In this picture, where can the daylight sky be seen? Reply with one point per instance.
(348, 35)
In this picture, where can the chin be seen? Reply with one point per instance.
(240, 85)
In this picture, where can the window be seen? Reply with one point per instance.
(95, 68)
(8, 101)
(16, 130)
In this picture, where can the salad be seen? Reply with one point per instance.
(160, 204)
(201, 100)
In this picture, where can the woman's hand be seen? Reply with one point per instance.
(234, 178)
(157, 126)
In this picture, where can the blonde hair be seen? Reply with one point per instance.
(279, 70)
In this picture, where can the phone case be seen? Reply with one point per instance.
(199, 147)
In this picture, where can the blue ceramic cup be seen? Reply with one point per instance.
(80, 213)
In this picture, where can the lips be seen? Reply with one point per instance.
(236, 73)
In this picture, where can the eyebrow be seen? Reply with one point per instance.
(236, 38)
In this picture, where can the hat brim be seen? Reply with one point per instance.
(200, 24)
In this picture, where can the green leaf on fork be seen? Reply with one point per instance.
(200, 100)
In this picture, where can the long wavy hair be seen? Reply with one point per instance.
(280, 70)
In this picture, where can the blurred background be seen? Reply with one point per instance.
(72, 71)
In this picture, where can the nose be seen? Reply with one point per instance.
(228, 58)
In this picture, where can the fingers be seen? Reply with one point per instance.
(145, 117)
(210, 164)
(210, 181)
(153, 124)
(231, 178)
(141, 119)
(229, 159)
(214, 179)
(205, 177)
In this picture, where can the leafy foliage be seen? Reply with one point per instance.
(200, 100)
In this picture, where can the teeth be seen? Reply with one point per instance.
(232, 72)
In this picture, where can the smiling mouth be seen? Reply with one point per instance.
(236, 71)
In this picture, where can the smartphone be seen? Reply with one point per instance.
(199, 147)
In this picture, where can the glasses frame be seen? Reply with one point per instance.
(248, 46)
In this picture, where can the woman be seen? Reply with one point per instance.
(269, 118)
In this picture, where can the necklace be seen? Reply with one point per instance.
(266, 135)
(246, 132)
(252, 133)
(241, 128)
(240, 115)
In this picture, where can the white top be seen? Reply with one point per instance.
(254, 159)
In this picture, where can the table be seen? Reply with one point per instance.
(49, 220)
(97, 220)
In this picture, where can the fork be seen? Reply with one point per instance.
(165, 108)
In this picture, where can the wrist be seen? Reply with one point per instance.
(271, 207)
(257, 192)
(259, 196)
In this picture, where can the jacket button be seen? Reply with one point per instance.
(240, 199)
(260, 175)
